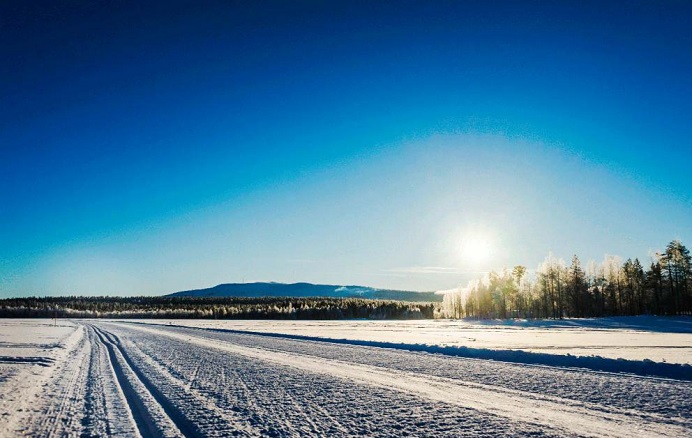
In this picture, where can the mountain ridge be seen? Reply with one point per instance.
(306, 290)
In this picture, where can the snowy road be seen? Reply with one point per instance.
(130, 379)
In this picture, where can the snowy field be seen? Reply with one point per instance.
(110, 378)
(635, 338)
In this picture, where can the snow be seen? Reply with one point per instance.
(633, 338)
(126, 378)
(32, 354)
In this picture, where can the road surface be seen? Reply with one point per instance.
(129, 379)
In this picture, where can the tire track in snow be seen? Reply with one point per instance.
(568, 415)
(193, 377)
(665, 398)
(182, 394)
(107, 410)
(278, 402)
(147, 410)
(63, 415)
(95, 416)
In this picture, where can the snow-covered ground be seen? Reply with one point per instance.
(122, 378)
(33, 354)
(658, 339)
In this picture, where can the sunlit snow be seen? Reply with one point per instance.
(317, 378)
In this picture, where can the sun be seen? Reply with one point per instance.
(476, 249)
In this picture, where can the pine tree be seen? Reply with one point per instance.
(676, 263)
(576, 286)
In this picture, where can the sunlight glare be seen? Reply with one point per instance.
(476, 248)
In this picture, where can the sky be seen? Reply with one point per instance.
(150, 147)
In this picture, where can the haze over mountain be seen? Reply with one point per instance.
(302, 290)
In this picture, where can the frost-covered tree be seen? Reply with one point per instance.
(577, 290)
(613, 285)
(551, 274)
(606, 289)
(654, 286)
(633, 290)
(675, 264)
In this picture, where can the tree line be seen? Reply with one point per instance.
(553, 290)
(212, 308)
(557, 290)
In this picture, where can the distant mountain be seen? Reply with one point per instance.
(302, 290)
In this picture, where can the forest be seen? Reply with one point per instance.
(557, 290)
(213, 308)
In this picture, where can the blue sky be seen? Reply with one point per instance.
(152, 148)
